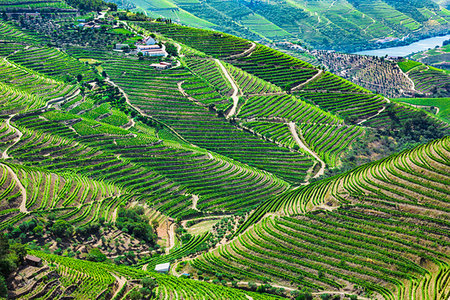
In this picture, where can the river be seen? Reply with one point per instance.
(406, 50)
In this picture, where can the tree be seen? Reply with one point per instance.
(171, 49)
(79, 77)
(96, 255)
(4, 245)
(288, 88)
(62, 228)
(3, 288)
(20, 251)
(148, 286)
(304, 296)
(112, 6)
(135, 295)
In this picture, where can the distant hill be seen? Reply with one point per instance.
(323, 24)
(438, 57)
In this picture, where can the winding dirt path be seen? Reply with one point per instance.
(236, 91)
(121, 281)
(413, 85)
(129, 125)
(243, 54)
(171, 235)
(23, 191)
(377, 114)
(194, 201)
(303, 146)
(307, 81)
(16, 140)
(371, 117)
(60, 99)
(127, 100)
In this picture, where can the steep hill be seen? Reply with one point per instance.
(340, 25)
(105, 157)
(381, 227)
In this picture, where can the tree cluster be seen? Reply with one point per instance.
(11, 256)
(134, 222)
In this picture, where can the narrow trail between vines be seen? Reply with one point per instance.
(236, 91)
(308, 81)
(121, 281)
(243, 54)
(194, 202)
(377, 114)
(127, 100)
(171, 235)
(16, 140)
(303, 146)
(413, 85)
(23, 191)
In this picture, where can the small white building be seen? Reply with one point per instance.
(162, 268)
(162, 65)
(149, 41)
(122, 46)
(147, 47)
(151, 50)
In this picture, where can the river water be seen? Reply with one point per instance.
(406, 50)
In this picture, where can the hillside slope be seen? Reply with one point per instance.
(381, 227)
(341, 25)
(105, 157)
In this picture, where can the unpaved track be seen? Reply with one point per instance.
(243, 54)
(129, 125)
(302, 145)
(235, 95)
(171, 234)
(194, 201)
(17, 139)
(140, 111)
(377, 114)
(23, 191)
(121, 280)
(308, 81)
(413, 85)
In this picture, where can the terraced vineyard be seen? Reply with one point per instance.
(35, 5)
(342, 25)
(374, 228)
(87, 280)
(427, 79)
(221, 165)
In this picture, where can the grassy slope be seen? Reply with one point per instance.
(367, 208)
(442, 103)
(311, 21)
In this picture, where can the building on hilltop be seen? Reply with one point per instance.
(149, 41)
(151, 50)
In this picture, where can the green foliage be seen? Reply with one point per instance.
(148, 286)
(171, 49)
(96, 255)
(11, 256)
(407, 65)
(134, 222)
(88, 5)
(62, 228)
